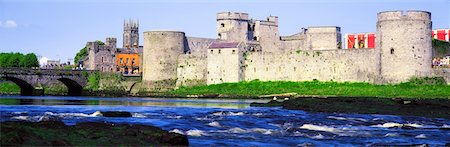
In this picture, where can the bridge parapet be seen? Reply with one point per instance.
(54, 72)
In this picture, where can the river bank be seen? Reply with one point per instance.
(433, 108)
(415, 88)
(56, 133)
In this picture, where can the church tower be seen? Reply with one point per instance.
(131, 34)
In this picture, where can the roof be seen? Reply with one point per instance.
(224, 45)
(130, 50)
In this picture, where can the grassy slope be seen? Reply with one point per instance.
(7, 87)
(256, 88)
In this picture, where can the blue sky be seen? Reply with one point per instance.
(57, 29)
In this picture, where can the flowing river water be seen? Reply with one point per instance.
(232, 122)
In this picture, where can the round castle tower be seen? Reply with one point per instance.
(161, 51)
(232, 26)
(405, 43)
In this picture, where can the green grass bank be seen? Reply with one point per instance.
(9, 87)
(415, 88)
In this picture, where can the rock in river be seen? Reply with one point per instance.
(56, 133)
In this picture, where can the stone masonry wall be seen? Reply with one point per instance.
(323, 38)
(224, 65)
(191, 70)
(358, 65)
(267, 35)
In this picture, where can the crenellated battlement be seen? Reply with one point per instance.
(403, 15)
(111, 39)
(232, 15)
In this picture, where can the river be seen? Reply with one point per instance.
(231, 122)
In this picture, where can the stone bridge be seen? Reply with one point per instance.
(31, 81)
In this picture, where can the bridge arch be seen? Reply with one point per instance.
(73, 87)
(26, 88)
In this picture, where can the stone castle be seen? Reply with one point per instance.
(247, 49)
(106, 57)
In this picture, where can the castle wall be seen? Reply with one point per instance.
(405, 43)
(104, 61)
(292, 45)
(224, 65)
(323, 38)
(359, 65)
(191, 70)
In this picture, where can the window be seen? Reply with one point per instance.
(102, 62)
(222, 25)
(212, 51)
(121, 61)
(133, 61)
(392, 51)
(255, 38)
(219, 51)
(126, 61)
(220, 36)
(234, 51)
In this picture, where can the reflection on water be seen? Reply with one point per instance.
(173, 102)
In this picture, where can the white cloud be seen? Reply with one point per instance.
(8, 24)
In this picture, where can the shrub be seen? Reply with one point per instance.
(427, 81)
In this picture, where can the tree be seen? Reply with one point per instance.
(84, 52)
(14, 60)
(100, 42)
(30, 60)
(4, 57)
(18, 60)
(80, 55)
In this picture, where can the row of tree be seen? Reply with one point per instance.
(18, 60)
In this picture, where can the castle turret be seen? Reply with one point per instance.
(161, 52)
(112, 45)
(92, 48)
(131, 34)
(266, 33)
(405, 43)
(232, 26)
